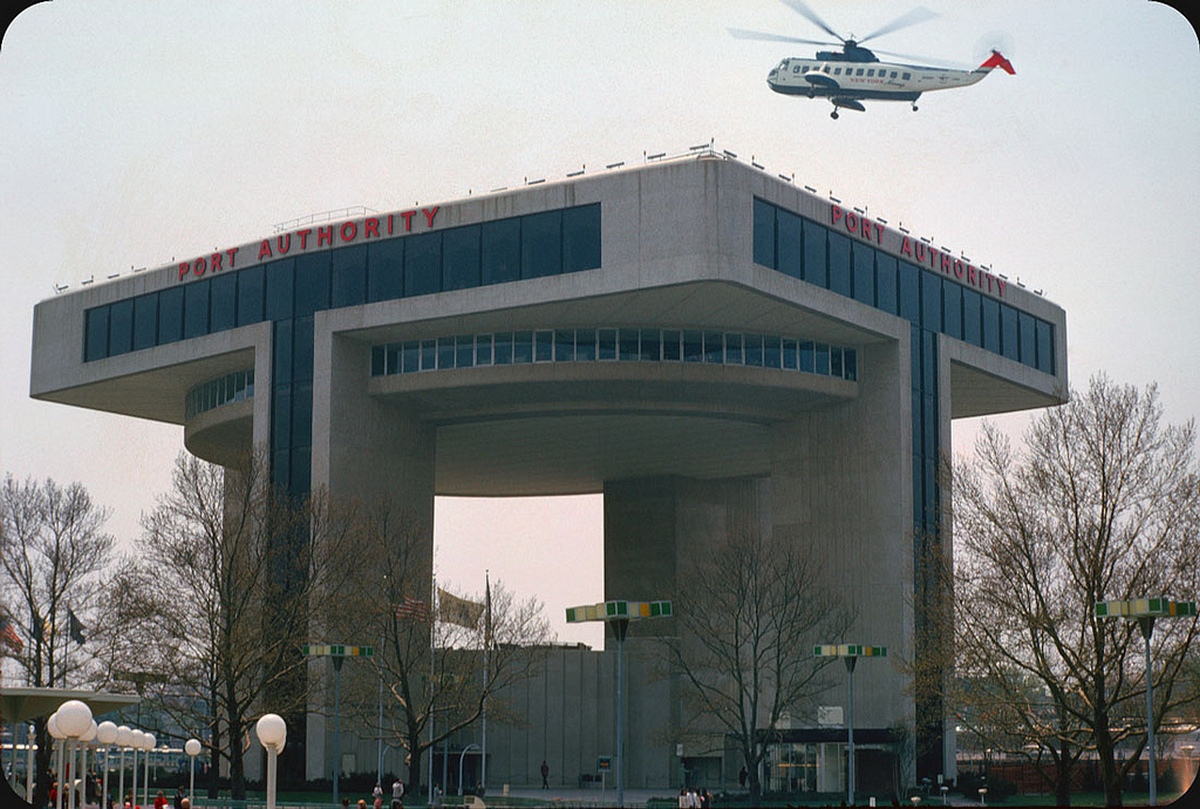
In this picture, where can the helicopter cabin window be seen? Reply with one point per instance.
(837, 71)
(825, 68)
(871, 72)
(860, 72)
(893, 74)
(907, 76)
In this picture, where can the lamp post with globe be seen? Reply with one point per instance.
(58, 736)
(148, 743)
(272, 733)
(106, 734)
(74, 722)
(124, 742)
(192, 748)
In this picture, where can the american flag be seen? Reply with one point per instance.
(412, 609)
(9, 636)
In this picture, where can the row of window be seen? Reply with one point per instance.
(850, 71)
(531, 246)
(804, 249)
(616, 344)
(235, 387)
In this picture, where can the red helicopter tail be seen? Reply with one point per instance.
(997, 60)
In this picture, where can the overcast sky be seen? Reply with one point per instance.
(134, 132)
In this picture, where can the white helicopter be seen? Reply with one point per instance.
(854, 74)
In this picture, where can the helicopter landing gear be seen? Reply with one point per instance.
(834, 115)
(914, 106)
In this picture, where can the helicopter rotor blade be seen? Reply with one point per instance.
(923, 60)
(807, 13)
(914, 17)
(741, 33)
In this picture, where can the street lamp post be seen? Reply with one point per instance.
(1144, 611)
(124, 742)
(58, 736)
(339, 652)
(106, 732)
(74, 722)
(192, 748)
(849, 652)
(272, 733)
(461, 756)
(148, 743)
(618, 614)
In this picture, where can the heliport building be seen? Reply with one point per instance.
(706, 344)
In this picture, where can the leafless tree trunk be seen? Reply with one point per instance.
(747, 622)
(53, 552)
(1102, 503)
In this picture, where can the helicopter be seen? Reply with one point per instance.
(854, 74)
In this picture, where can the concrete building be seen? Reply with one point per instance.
(705, 343)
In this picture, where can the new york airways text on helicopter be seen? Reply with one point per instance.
(855, 74)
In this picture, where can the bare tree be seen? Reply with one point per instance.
(1103, 503)
(53, 552)
(239, 573)
(747, 623)
(439, 672)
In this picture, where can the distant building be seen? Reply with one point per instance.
(706, 344)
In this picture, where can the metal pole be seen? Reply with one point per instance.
(620, 627)
(29, 766)
(270, 778)
(850, 661)
(1147, 626)
(337, 735)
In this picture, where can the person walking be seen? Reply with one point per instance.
(545, 775)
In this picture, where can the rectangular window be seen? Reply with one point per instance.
(864, 273)
(522, 347)
(991, 325)
(627, 344)
(280, 279)
(1045, 347)
(385, 270)
(607, 344)
(821, 355)
(224, 302)
(651, 350)
(839, 264)
(170, 315)
(764, 233)
(541, 244)
(789, 243)
(585, 345)
(312, 283)
(671, 349)
(460, 268)
(972, 314)
(791, 354)
(910, 293)
(251, 286)
(1008, 331)
(850, 364)
(145, 321)
(771, 351)
(423, 264)
(543, 346)
(195, 309)
(95, 340)
(714, 347)
(1027, 351)
(952, 308)
(931, 301)
(693, 346)
(379, 365)
(835, 361)
(886, 296)
(446, 353)
(753, 350)
(564, 345)
(581, 238)
(348, 283)
(807, 361)
(500, 251)
(429, 355)
(393, 359)
(410, 356)
(483, 349)
(815, 271)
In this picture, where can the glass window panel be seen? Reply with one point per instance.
(791, 354)
(651, 345)
(931, 301)
(170, 315)
(753, 350)
(821, 356)
(772, 351)
(410, 356)
(764, 233)
(504, 348)
(1008, 331)
(302, 347)
(972, 317)
(385, 270)
(910, 293)
(429, 355)
(543, 346)
(607, 342)
(886, 296)
(814, 254)
(1027, 352)
(393, 360)
(864, 273)
(281, 353)
(250, 293)
(714, 347)
(378, 360)
(145, 321)
(280, 281)
(95, 346)
(348, 283)
(839, 264)
(223, 313)
(581, 238)
(500, 251)
(195, 309)
(850, 364)
(835, 361)
(541, 244)
(991, 325)
(671, 345)
(789, 244)
(585, 345)
(446, 353)
(693, 346)
(733, 349)
(807, 357)
(564, 345)
(1045, 347)
(952, 308)
(627, 345)
(522, 346)
(120, 327)
(460, 268)
(312, 283)
(483, 349)
(423, 264)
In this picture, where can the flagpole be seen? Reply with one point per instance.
(432, 716)
(487, 648)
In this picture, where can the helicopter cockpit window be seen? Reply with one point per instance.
(796, 68)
